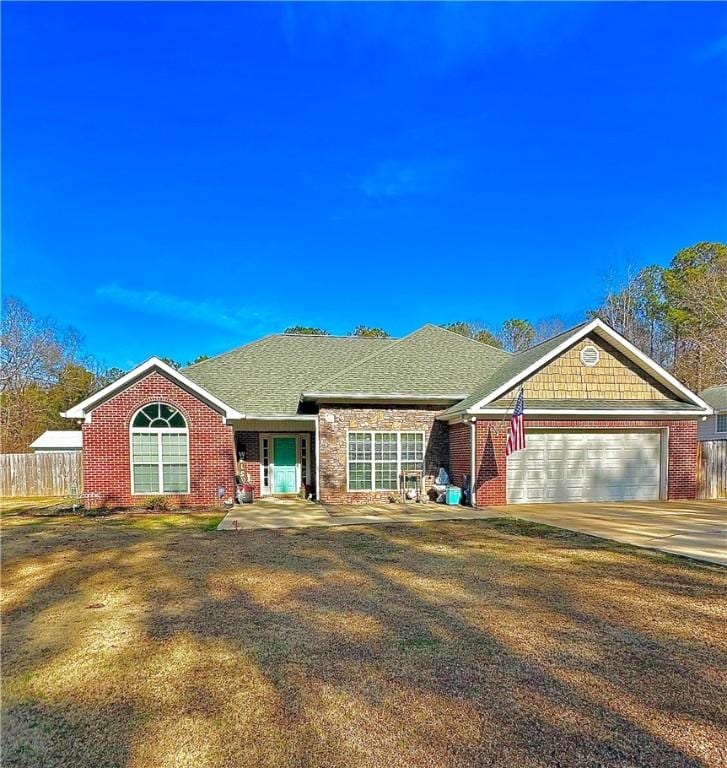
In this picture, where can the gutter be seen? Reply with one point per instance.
(318, 461)
(337, 397)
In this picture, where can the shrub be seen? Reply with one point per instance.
(157, 503)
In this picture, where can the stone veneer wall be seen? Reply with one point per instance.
(336, 420)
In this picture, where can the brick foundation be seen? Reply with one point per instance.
(334, 423)
(491, 460)
(106, 446)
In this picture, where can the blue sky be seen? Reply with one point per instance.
(179, 179)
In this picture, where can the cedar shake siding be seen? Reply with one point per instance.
(107, 454)
(491, 483)
(335, 423)
(614, 377)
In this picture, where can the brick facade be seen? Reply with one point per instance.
(106, 445)
(250, 442)
(491, 460)
(107, 461)
(460, 440)
(336, 421)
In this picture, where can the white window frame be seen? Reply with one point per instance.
(159, 431)
(717, 416)
(374, 461)
(265, 468)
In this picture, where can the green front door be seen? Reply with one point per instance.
(284, 472)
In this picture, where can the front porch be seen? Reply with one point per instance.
(277, 456)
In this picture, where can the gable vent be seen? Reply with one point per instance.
(590, 356)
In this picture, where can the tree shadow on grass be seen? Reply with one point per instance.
(447, 644)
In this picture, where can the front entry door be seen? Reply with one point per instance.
(285, 465)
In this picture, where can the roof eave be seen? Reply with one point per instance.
(615, 339)
(85, 407)
(377, 397)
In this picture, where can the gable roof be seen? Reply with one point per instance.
(270, 377)
(267, 377)
(523, 365)
(431, 362)
(84, 408)
(716, 396)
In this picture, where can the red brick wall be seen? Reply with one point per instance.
(459, 452)
(251, 442)
(492, 436)
(106, 450)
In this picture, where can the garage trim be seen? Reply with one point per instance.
(662, 431)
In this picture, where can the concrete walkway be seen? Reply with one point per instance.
(271, 513)
(696, 529)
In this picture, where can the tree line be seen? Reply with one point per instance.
(676, 314)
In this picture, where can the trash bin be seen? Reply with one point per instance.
(454, 495)
(247, 494)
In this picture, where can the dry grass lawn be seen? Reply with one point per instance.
(488, 643)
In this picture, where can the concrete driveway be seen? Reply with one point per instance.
(695, 529)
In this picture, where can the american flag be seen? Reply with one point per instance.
(516, 437)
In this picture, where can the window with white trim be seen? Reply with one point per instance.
(376, 459)
(304, 459)
(159, 450)
(265, 463)
(722, 422)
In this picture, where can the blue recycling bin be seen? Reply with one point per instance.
(454, 495)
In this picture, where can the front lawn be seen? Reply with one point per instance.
(485, 643)
(21, 511)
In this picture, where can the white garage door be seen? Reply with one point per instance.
(585, 466)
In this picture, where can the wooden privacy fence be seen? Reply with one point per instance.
(40, 474)
(712, 470)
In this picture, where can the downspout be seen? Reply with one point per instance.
(318, 459)
(473, 461)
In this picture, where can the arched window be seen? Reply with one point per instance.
(159, 450)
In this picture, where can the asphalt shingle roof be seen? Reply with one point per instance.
(431, 360)
(268, 376)
(715, 396)
(514, 365)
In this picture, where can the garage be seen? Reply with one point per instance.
(601, 465)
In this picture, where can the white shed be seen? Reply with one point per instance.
(54, 440)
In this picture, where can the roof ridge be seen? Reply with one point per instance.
(352, 336)
(229, 351)
(469, 338)
(365, 359)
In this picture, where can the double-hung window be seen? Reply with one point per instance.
(376, 459)
(722, 422)
(159, 450)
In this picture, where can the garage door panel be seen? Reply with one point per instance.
(586, 466)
